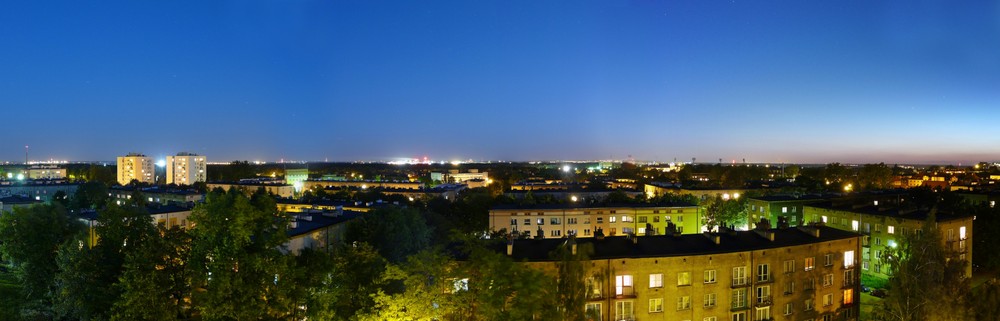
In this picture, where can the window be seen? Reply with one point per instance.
(709, 276)
(828, 280)
(683, 278)
(739, 298)
(623, 310)
(612, 219)
(828, 300)
(824, 218)
(784, 209)
(527, 221)
(739, 275)
(623, 285)
(710, 300)
(829, 317)
(656, 219)
(763, 314)
(951, 235)
(656, 280)
(642, 219)
(554, 221)
(740, 316)
(626, 218)
(556, 233)
(763, 294)
(586, 231)
(891, 230)
(656, 305)
(571, 220)
(848, 296)
(854, 225)
(878, 228)
(789, 287)
(540, 221)
(808, 305)
(828, 259)
(810, 263)
(788, 309)
(513, 222)
(789, 266)
(680, 218)
(793, 209)
(848, 259)
(594, 310)
(709, 319)
(961, 232)
(600, 220)
(763, 273)
(683, 303)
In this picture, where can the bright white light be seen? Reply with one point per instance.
(573, 198)
(10, 175)
(455, 163)
(411, 199)
(298, 186)
(364, 186)
(566, 168)
(161, 163)
(736, 195)
(20, 177)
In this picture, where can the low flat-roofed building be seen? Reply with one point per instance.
(8, 203)
(280, 190)
(799, 273)
(39, 189)
(319, 230)
(883, 227)
(583, 220)
(168, 215)
(46, 172)
(310, 184)
(455, 176)
(159, 194)
(289, 205)
(776, 208)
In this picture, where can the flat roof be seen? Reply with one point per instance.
(319, 221)
(892, 211)
(583, 206)
(617, 247)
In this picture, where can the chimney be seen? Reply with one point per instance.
(811, 230)
(715, 238)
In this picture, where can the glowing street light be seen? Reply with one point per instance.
(573, 198)
(566, 168)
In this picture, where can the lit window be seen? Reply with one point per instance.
(854, 225)
(683, 303)
(656, 280)
(684, 278)
(710, 300)
(810, 263)
(891, 229)
(824, 218)
(961, 232)
(848, 259)
(656, 305)
(784, 209)
(709, 276)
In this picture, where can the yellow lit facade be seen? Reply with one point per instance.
(804, 273)
(136, 167)
(559, 220)
(186, 169)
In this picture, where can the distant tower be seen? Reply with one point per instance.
(25, 154)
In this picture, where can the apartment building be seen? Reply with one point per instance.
(883, 228)
(583, 220)
(806, 273)
(186, 169)
(135, 166)
(777, 208)
(46, 172)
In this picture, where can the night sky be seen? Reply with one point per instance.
(768, 81)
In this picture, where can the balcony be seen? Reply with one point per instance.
(624, 292)
(739, 306)
(764, 301)
(765, 278)
(739, 283)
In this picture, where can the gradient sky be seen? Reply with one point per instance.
(768, 81)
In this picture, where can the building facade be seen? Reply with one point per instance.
(563, 220)
(279, 190)
(801, 273)
(46, 172)
(883, 228)
(780, 207)
(135, 166)
(186, 169)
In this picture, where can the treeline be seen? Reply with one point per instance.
(232, 266)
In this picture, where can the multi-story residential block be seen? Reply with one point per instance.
(319, 231)
(46, 172)
(169, 216)
(778, 208)
(137, 167)
(186, 169)
(884, 226)
(9, 203)
(800, 273)
(454, 176)
(40, 190)
(582, 220)
(365, 184)
(250, 187)
(158, 194)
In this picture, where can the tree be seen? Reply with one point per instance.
(394, 232)
(88, 279)
(725, 212)
(572, 283)
(926, 281)
(875, 176)
(90, 195)
(154, 283)
(29, 240)
(237, 267)
(426, 280)
(500, 289)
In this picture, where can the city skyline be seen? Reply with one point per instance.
(850, 82)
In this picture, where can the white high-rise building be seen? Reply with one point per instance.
(185, 169)
(135, 166)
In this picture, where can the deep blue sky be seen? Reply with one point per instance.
(769, 81)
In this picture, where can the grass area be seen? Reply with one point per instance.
(10, 296)
(868, 304)
(873, 281)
